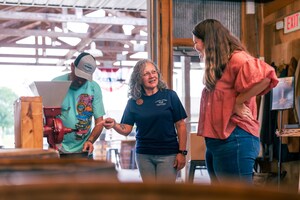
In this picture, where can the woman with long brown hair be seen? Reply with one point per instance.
(228, 111)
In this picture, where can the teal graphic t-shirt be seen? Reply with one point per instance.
(78, 109)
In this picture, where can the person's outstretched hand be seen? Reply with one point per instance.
(109, 123)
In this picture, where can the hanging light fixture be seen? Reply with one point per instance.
(95, 52)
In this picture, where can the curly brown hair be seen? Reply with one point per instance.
(135, 84)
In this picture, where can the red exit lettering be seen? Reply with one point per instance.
(292, 21)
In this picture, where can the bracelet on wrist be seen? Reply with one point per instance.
(89, 141)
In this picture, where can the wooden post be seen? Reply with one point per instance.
(28, 122)
(161, 37)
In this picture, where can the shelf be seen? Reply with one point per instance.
(289, 133)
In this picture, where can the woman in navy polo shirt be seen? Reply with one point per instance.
(159, 118)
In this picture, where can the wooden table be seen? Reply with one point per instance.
(28, 153)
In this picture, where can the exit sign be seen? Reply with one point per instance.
(291, 23)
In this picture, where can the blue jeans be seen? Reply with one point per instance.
(232, 158)
(157, 168)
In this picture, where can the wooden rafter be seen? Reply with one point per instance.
(20, 22)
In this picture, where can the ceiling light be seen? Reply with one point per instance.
(95, 52)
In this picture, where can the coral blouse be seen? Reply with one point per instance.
(242, 72)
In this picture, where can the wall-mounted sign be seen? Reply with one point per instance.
(279, 25)
(291, 23)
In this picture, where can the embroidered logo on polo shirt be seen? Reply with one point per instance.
(161, 102)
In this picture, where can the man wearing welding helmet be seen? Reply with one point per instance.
(82, 103)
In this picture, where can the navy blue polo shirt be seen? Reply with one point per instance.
(155, 120)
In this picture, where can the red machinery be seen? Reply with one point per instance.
(54, 129)
(53, 93)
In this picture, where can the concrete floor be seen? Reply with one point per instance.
(265, 178)
(290, 182)
(132, 175)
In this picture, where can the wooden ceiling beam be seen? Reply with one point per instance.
(84, 42)
(30, 56)
(19, 22)
(105, 49)
(103, 37)
(101, 60)
(25, 16)
(120, 37)
(27, 33)
(62, 46)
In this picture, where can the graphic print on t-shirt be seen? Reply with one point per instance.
(85, 112)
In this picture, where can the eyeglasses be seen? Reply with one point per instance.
(150, 73)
